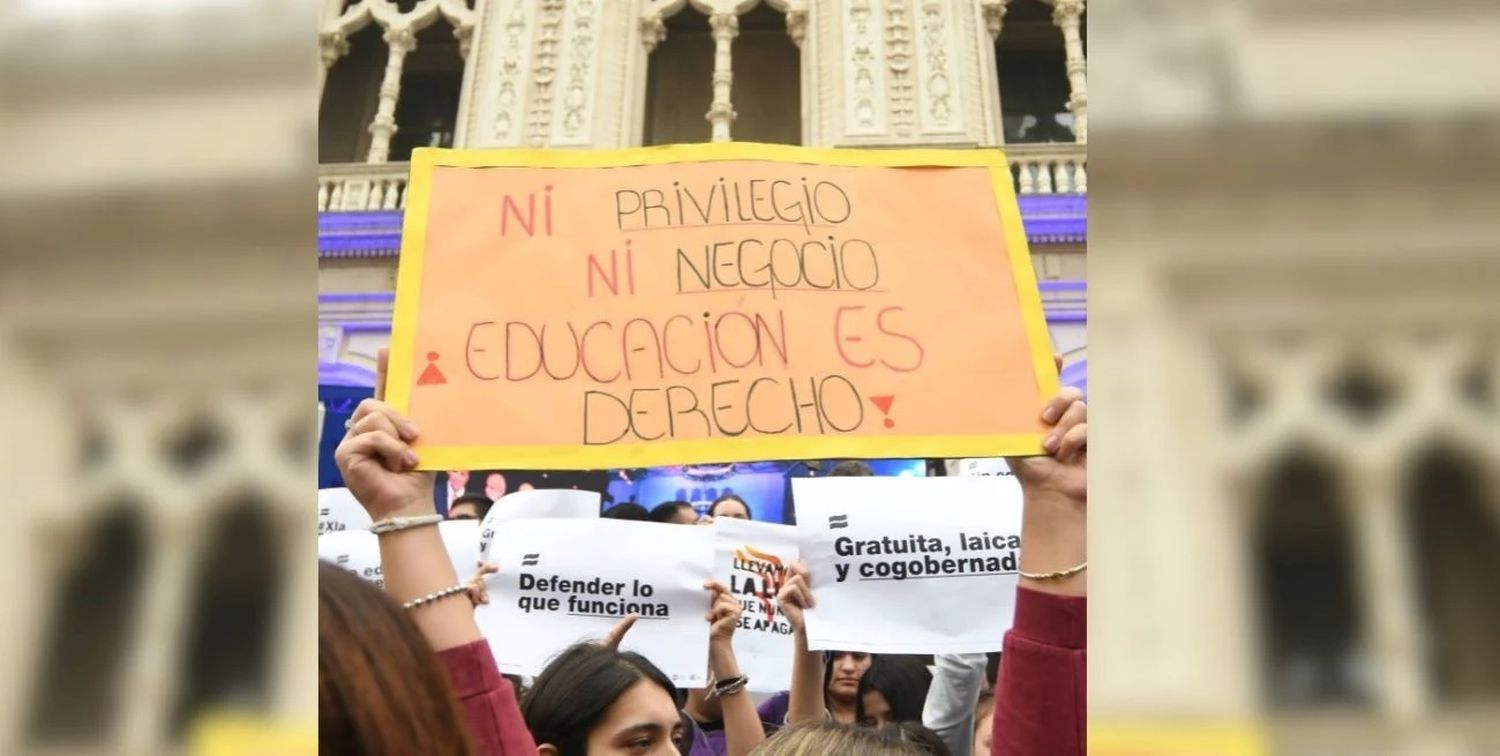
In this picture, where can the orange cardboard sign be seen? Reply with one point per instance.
(715, 302)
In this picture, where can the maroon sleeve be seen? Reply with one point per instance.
(1040, 701)
(488, 701)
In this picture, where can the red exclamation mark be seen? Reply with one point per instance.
(883, 403)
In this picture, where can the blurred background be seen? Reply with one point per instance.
(1294, 319)
(157, 296)
(1295, 342)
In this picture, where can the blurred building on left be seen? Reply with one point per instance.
(154, 363)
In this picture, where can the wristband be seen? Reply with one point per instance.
(1071, 571)
(395, 524)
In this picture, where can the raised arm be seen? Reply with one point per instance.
(379, 467)
(742, 728)
(806, 703)
(1040, 694)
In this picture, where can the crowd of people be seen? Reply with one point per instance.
(405, 670)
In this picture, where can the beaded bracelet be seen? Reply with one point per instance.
(434, 596)
(729, 687)
(1071, 571)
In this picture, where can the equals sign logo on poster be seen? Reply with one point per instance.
(838, 521)
(530, 560)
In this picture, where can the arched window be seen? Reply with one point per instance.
(350, 97)
(1310, 617)
(1455, 528)
(427, 113)
(765, 92)
(234, 618)
(1031, 64)
(75, 698)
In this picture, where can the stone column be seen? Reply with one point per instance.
(400, 41)
(149, 685)
(1392, 615)
(331, 47)
(1067, 14)
(721, 112)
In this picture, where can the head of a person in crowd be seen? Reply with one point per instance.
(526, 487)
(984, 724)
(494, 486)
(843, 670)
(834, 739)
(404, 704)
(852, 468)
(593, 700)
(626, 510)
(675, 512)
(913, 732)
(893, 689)
(469, 507)
(458, 480)
(731, 506)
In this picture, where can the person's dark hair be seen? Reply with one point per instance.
(481, 503)
(571, 696)
(927, 741)
(401, 705)
(852, 468)
(903, 680)
(627, 510)
(665, 511)
(713, 508)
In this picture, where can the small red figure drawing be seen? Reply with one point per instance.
(431, 375)
(883, 403)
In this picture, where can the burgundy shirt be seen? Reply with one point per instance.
(488, 700)
(1040, 700)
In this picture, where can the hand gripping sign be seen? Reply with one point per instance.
(909, 565)
(567, 580)
(750, 558)
(582, 309)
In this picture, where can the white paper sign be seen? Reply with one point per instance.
(750, 559)
(357, 551)
(566, 580)
(338, 510)
(909, 565)
(461, 539)
(540, 502)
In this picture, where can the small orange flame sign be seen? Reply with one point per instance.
(772, 572)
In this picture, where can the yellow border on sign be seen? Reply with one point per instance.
(655, 453)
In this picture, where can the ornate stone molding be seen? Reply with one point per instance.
(796, 25)
(510, 73)
(994, 16)
(724, 27)
(864, 105)
(332, 46)
(941, 111)
(577, 98)
(653, 32)
(898, 60)
(400, 41)
(544, 67)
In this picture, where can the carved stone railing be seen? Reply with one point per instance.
(362, 186)
(1036, 168)
(1054, 168)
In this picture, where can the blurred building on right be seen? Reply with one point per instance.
(1295, 328)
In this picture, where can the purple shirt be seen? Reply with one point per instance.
(772, 714)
